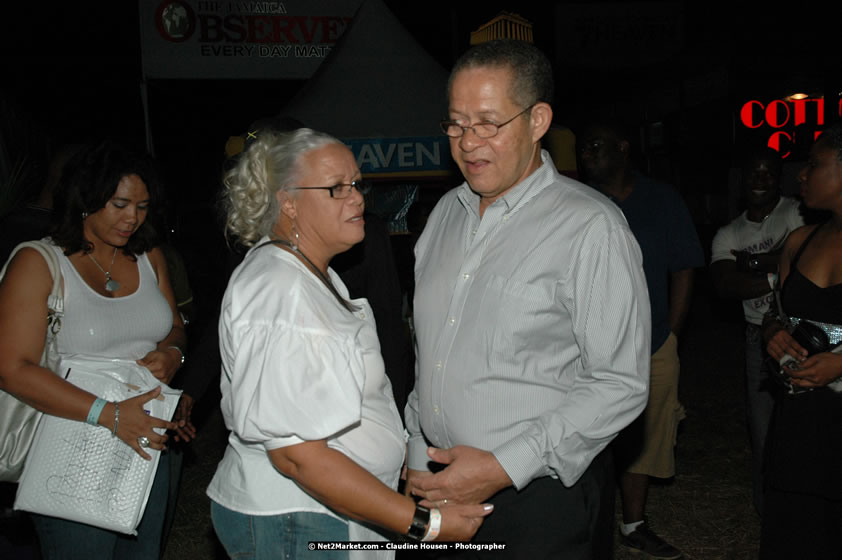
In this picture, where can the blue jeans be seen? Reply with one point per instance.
(61, 539)
(760, 405)
(275, 537)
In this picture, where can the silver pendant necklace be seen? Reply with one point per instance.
(111, 285)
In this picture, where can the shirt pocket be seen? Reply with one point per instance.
(523, 321)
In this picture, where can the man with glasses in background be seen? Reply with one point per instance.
(667, 236)
(532, 322)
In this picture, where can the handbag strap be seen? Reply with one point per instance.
(55, 301)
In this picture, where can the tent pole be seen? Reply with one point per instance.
(144, 98)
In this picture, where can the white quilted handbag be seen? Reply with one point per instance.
(81, 472)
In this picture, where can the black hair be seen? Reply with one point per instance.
(832, 138)
(87, 183)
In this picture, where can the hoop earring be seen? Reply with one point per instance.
(84, 216)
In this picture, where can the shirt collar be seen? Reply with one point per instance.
(518, 195)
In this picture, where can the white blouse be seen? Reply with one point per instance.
(297, 366)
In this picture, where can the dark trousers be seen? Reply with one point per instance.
(800, 526)
(546, 520)
(802, 499)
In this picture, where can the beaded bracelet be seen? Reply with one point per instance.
(116, 419)
(95, 410)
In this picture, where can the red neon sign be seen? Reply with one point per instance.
(778, 114)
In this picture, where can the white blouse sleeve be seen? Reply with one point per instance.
(291, 385)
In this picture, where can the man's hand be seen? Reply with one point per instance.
(412, 478)
(471, 477)
(743, 259)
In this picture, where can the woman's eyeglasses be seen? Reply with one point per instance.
(341, 190)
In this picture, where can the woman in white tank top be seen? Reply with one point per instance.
(118, 304)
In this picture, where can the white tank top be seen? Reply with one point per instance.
(127, 327)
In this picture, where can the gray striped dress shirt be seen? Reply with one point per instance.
(533, 327)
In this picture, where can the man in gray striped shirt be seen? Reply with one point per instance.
(532, 320)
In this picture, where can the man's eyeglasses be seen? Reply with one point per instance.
(481, 129)
(341, 190)
(590, 146)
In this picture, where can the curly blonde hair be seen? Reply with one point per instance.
(270, 164)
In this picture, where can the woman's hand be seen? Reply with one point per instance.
(162, 363)
(817, 370)
(135, 422)
(781, 344)
(460, 522)
(184, 428)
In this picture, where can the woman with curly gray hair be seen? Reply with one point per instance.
(303, 382)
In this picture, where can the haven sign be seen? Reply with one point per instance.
(220, 39)
(423, 156)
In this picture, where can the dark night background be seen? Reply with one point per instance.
(71, 71)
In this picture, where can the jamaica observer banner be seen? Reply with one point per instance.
(222, 39)
(394, 138)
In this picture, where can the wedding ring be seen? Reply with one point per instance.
(143, 441)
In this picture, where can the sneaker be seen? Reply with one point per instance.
(645, 540)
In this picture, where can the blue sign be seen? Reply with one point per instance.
(402, 157)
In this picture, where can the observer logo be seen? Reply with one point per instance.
(175, 21)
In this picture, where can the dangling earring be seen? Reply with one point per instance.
(294, 237)
(84, 216)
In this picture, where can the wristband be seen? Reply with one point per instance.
(435, 525)
(180, 351)
(94, 412)
(418, 528)
(116, 419)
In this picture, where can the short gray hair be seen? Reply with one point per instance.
(269, 165)
(532, 72)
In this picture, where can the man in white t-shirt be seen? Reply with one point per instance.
(744, 261)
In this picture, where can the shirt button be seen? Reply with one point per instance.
(466, 276)
(438, 365)
(451, 320)
(436, 409)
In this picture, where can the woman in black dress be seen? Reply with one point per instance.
(802, 515)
